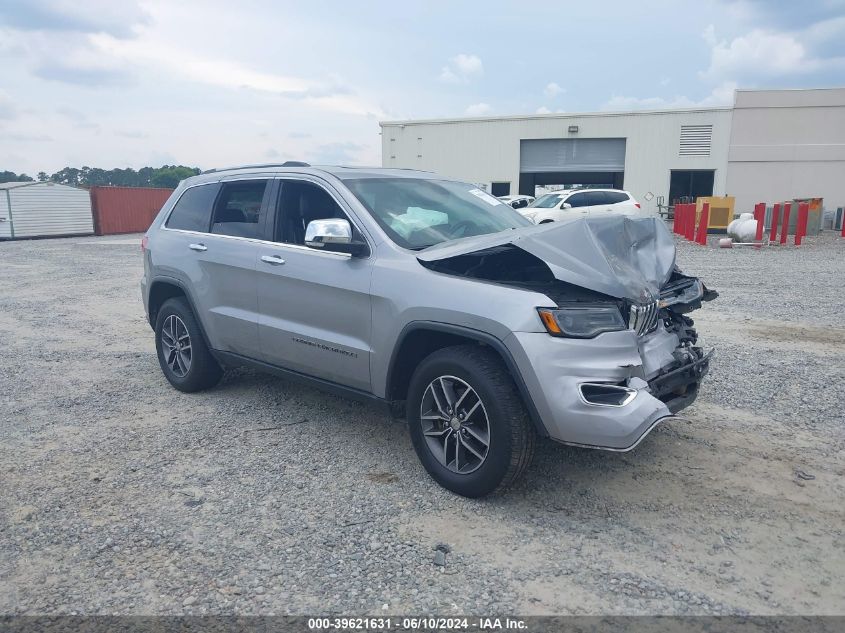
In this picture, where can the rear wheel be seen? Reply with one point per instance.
(183, 355)
(467, 421)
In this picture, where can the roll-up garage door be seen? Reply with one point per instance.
(572, 154)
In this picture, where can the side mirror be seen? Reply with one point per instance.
(566, 205)
(334, 235)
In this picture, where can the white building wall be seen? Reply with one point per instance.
(44, 209)
(787, 144)
(483, 151)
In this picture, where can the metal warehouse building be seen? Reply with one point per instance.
(43, 209)
(770, 145)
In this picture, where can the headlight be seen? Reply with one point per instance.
(582, 321)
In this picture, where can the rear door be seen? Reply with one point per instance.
(212, 235)
(598, 202)
(315, 313)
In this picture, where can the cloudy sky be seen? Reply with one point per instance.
(116, 83)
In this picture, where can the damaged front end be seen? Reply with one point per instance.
(623, 353)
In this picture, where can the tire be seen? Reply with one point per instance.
(510, 435)
(546, 221)
(195, 368)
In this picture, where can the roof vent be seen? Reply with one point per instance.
(695, 140)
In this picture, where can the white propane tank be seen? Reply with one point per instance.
(743, 229)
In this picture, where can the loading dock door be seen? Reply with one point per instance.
(571, 161)
(572, 154)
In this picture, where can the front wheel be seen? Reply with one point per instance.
(467, 421)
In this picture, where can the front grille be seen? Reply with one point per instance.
(643, 318)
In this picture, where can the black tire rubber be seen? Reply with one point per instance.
(512, 437)
(546, 221)
(204, 371)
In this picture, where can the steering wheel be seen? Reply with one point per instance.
(463, 224)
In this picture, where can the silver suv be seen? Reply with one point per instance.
(431, 297)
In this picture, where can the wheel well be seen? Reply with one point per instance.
(160, 292)
(413, 349)
(545, 221)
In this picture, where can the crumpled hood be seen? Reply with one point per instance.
(621, 256)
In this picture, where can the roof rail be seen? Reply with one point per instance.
(287, 163)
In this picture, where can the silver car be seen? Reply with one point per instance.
(431, 297)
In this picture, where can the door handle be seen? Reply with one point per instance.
(198, 247)
(275, 260)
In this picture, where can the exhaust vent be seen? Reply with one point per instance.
(695, 140)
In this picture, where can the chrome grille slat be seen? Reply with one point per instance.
(643, 318)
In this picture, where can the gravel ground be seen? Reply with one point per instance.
(121, 495)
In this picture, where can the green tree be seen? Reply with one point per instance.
(169, 177)
(10, 176)
(42, 176)
(165, 176)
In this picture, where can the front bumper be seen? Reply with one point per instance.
(664, 377)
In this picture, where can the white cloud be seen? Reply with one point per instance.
(107, 16)
(228, 74)
(461, 68)
(552, 90)
(8, 109)
(760, 53)
(543, 110)
(478, 109)
(721, 95)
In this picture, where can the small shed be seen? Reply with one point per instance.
(43, 209)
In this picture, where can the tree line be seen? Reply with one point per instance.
(166, 176)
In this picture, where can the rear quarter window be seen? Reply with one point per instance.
(193, 209)
(615, 197)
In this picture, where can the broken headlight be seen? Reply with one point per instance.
(582, 321)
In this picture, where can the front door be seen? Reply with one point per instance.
(315, 315)
(580, 205)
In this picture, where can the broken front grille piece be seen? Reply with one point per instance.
(643, 318)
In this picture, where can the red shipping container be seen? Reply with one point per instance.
(126, 209)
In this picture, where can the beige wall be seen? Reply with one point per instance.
(487, 150)
(787, 144)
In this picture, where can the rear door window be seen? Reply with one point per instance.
(238, 208)
(193, 210)
(596, 198)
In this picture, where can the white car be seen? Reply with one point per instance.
(517, 202)
(581, 202)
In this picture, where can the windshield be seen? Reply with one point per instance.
(547, 201)
(418, 213)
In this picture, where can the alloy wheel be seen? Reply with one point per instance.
(176, 345)
(455, 424)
